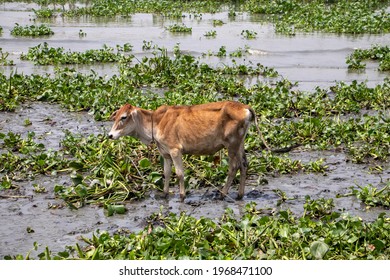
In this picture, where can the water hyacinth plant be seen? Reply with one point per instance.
(344, 16)
(4, 58)
(373, 196)
(249, 34)
(376, 53)
(43, 54)
(179, 28)
(251, 237)
(32, 30)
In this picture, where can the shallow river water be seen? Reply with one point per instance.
(309, 59)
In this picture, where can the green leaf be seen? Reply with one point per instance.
(144, 163)
(76, 178)
(76, 165)
(115, 209)
(318, 249)
(379, 245)
(58, 188)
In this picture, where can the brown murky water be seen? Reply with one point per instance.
(310, 59)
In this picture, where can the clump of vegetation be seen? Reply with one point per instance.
(45, 13)
(376, 53)
(42, 54)
(217, 22)
(318, 208)
(24, 158)
(4, 58)
(253, 236)
(249, 34)
(211, 34)
(169, 8)
(373, 196)
(113, 175)
(179, 28)
(344, 16)
(32, 30)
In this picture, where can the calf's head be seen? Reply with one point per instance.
(124, 122)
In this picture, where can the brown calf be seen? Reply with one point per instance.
(197, 130)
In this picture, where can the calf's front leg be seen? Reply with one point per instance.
(178, 163)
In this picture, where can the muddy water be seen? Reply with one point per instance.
(311, 59)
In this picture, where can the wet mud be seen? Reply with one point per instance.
(309, 59)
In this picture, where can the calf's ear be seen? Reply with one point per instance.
(113, 115)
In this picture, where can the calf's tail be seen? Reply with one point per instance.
(258, 129)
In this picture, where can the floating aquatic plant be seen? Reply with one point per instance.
(179, 28)
(375, 53)
(4, 58)
(251, 236)
(43, 54)
(32, 30)
(342, 16)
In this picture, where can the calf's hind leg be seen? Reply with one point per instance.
(167, 174)
(235, 158)
(243, 170)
